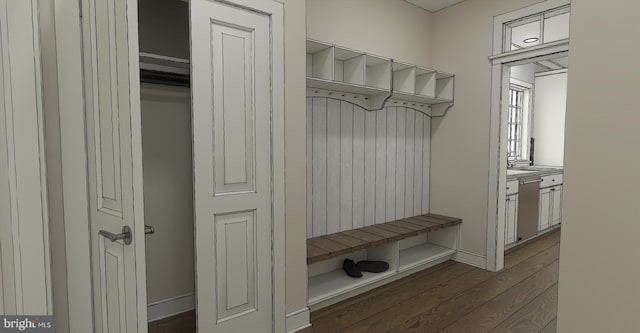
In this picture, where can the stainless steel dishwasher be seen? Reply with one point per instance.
(528, 200)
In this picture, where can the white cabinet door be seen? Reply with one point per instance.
(114, 135)
(544, 217)
(511, 209)
(556, 203)
(236, 82)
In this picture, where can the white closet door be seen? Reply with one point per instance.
(234, 103)
(114, 136)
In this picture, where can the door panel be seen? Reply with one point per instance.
(233, 106)
(545, 204)
(556, 215)
(112, 99)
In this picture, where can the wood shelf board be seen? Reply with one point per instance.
(339, 87)
(422, 254)
(332, 245)
(336, 282)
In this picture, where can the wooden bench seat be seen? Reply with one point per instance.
(333, 245)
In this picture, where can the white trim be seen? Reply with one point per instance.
(523, 84)
(554, 72)
(298, 320)
(171, 306)
(500, 20)
(498, 133)
(74, 165)
(531, 52)
(472, 259)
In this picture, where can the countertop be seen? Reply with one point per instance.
(534, 171)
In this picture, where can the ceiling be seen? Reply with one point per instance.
(434, 5)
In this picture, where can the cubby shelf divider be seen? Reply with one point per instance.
(373, 82)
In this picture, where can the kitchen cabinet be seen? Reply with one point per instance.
(511, 211)
(549, 206)
(556, 205)
(544, 217)
(550, 213)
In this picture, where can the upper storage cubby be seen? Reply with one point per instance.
(374, 82)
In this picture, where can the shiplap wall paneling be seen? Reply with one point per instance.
(358, 166)
(381, 163)
(309, 166)
(391, 162)
(426, 164)
(369, 168)
(364, 167)
(319, 166)
(401, 140)
(346, 166)
(333, 166)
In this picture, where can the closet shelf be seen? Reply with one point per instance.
(374, 82)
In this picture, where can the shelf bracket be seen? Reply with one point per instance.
(440, 110)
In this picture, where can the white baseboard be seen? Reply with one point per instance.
(471, 259)
(298, 320)
(171, 307)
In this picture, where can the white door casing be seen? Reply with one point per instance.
(112, 103)
(237, 96)
(501, 61)
(25, 275)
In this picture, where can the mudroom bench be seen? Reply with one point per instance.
(408, 245)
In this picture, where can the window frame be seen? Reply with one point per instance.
(526, 116)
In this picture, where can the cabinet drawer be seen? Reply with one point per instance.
(512, 186)
(551, 180)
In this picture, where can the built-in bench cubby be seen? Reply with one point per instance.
(374, 82)
(408, 245)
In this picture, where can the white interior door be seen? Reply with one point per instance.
(112, 101)
(236, 78)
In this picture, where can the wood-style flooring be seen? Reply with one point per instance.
(450, 297)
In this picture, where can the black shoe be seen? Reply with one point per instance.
(351, 269)
(372, 266)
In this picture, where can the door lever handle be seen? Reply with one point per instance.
(148, 230)
(125, 235)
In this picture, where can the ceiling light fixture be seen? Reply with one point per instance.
(530, 40)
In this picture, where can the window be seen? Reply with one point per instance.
(518, 121)
(546, 27)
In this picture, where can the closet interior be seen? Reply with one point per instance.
(167, 153)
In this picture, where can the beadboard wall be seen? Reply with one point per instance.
(364, 167)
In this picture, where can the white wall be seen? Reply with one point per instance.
(168, 190)
(461, 44)
(549, 108)
(524, 73)
(389, 28)
(364, 167)
(599, 274)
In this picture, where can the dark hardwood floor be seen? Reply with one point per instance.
(450, 297)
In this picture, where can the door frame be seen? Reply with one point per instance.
(75, 159)
(500, 75)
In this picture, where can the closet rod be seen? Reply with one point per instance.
(166, 58)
